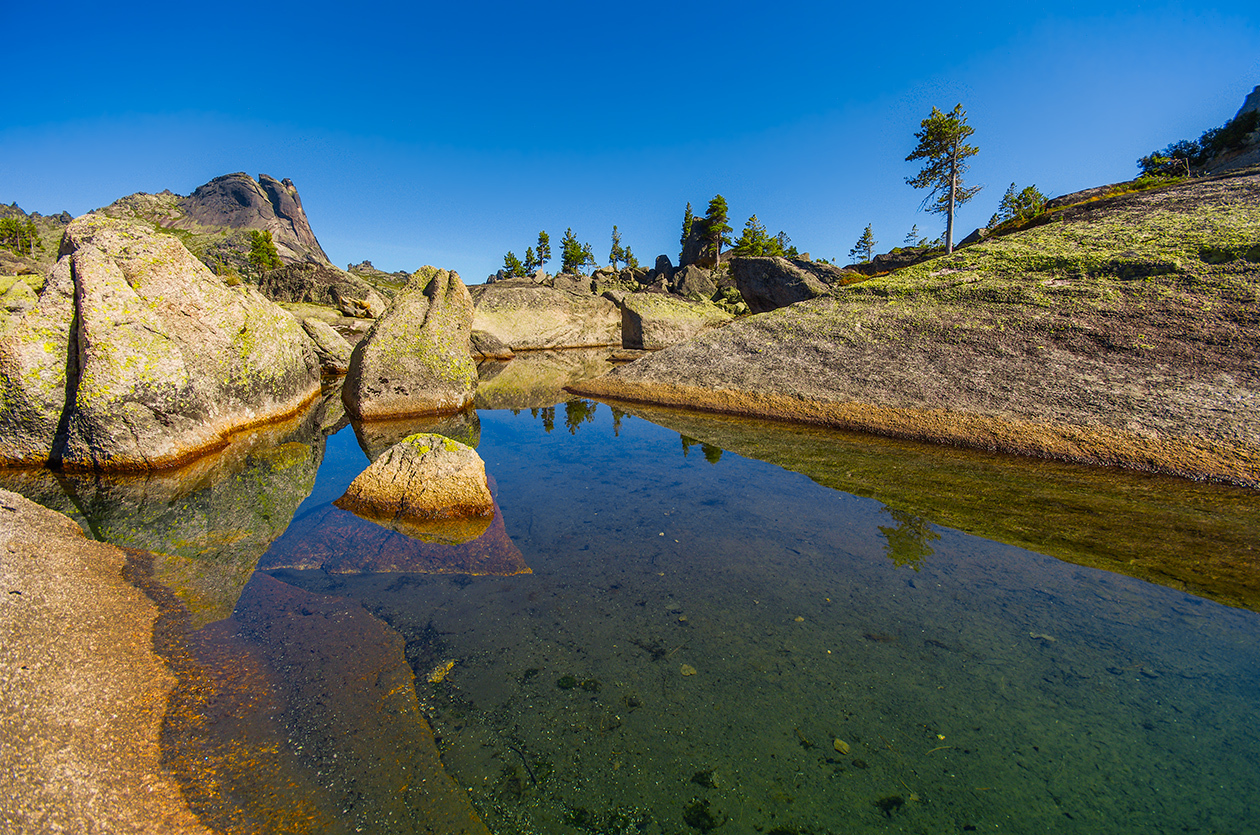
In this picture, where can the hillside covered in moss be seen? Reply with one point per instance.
(1120, 331)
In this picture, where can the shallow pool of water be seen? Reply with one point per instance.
(709, 642)
(662, 636)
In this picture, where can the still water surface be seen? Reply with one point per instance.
(662, 636)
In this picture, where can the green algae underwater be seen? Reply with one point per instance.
(732, 626)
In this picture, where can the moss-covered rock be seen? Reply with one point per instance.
(526, 316)
(415, 360)
(1103, 337)
(137, 357)
(650, 321)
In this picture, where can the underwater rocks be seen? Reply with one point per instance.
(415, 360)
(137, 357)
(432, 485)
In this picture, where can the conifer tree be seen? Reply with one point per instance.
(755, 241)
(865, 245)
(512, 265)
(544, 249)
(531, 260)
(618, 253)
(942, 143)
(262, 251)
(574, 255)
(913, 238)
(688, 219)
(716, 227)
(631, 261)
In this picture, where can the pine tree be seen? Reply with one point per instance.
(1022, 205)
(631, 261)
(688, 219)
(512, 265)
(913, 238)
(617, 253)
(573, 254)
(942, 143)
(531, 260)
(716, 227)
(865, 245)
(544, 249)
(262, 251)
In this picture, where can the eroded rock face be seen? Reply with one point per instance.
(239, 202)
(528, 317)
(415, 360)
(770, 283)
(136, 357)
(318, 284)
(432, 485)
(650, 321)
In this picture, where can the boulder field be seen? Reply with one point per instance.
(1121, 332)
(137, 357)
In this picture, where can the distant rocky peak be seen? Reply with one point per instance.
(238, 201)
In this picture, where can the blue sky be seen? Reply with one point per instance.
(448, 134)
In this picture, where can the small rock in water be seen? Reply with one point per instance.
(841, 746)
(687, 670)
(440, 671)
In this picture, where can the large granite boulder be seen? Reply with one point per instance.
(319, 284)
(650, 321)
(428, 486)
(692, 282)
(770, 283)
(415, 359)
(137, 357)
(331, 348)
(528, 317)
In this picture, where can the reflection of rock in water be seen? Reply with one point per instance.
(376, 436)
(339, 542)
(206, 523)
(535, 379)
(299, 714)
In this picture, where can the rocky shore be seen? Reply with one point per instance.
(1120, 332)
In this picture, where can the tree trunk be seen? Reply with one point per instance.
(953, 189)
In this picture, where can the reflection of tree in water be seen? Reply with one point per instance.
(577, 412)
(712, 454)
(548, 414)
(617, 416)
(907, 544)
(687, 443)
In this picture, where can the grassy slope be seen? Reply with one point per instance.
(1122, 332)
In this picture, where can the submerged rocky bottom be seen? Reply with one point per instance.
(711, 643)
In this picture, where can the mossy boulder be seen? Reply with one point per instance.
(137, 357)
(432, 486)
(650, 321)
(526, 316)
(415, 360)
(331, 348)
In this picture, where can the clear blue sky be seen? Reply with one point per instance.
(447, 134)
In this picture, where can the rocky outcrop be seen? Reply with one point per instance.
(770, 283)
(651, 321)
(415, 360)
(691, 282)
(331, 348)
(431, 485)
(238, 201)
(526, 316)
(84, 694)
(137, 357)
(1040, 343)
(320, 284)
